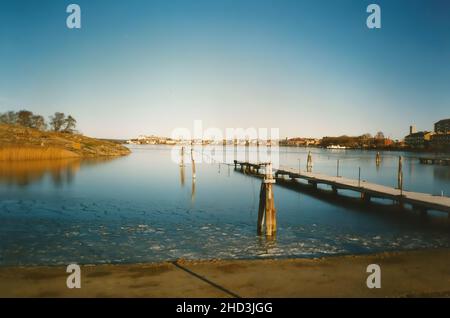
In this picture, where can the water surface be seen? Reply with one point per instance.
(146, 208)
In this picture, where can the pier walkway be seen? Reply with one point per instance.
(419, 201)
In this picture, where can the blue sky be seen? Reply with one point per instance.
(310, 68)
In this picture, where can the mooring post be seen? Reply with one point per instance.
(224, 150)
(262, 203)
(400, 175)
(271, 223)
(267, 211)
(309, 162)
(193, 164)
(299, 166)
(359, 177)
(377, 159)
(182, 157)
(337, 169)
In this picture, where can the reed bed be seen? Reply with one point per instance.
(35, 153)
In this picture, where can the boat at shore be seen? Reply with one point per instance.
(336, 147)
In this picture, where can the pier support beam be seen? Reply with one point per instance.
(334, 189)
(313, 184)
(365, 196)
(422, 210)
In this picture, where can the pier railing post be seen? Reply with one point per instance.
(359, 177)
(337, 169)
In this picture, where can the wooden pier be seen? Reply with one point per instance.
(435, 161)
(419, 201)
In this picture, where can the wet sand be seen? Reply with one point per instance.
(403, 274)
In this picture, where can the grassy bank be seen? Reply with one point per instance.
(21, 143)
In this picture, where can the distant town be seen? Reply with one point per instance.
(436, 140)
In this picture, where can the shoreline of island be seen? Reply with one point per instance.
(18, 143)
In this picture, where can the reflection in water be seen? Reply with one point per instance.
(441, 173)
(193, 191)
(60, 171)
(182, 175)
(23, 173)
(130, 211)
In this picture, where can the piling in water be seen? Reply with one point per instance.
(266, 210)
(309, 163)
(193, 164)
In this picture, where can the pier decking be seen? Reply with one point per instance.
(435, 161)
(419, 201)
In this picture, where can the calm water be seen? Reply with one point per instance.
(145, 208)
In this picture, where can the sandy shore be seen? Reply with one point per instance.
(403, 274)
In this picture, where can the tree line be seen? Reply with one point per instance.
(367, 140)
(57, 122)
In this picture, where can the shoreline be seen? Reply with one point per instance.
(403, 274)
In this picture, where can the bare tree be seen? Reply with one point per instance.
(70, 123)
(379, 135)
(24, 118)
(8, 118)
(38, 122)
(57, 121)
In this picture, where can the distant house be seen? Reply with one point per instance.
(441, 137)
(442, 126)
(441, 141)
(419, 139)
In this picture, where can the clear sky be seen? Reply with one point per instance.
(310, 68)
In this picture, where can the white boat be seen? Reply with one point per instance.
(336, 147)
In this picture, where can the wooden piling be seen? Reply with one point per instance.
(271, 223)
(193, 164)
(337, 169)
(267, 211)
(400, 173)
(261, 209)
(378, 159)
(309, 163)
(182, 157)
(359, 176)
